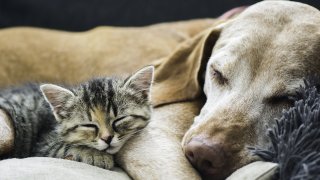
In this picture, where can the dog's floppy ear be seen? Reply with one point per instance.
(177, 77)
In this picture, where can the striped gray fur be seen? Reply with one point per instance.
(86, 123)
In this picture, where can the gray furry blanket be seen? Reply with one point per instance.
(295, 139)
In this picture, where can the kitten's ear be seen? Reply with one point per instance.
(56, 96)
(142, 79)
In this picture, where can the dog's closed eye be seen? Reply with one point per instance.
(217, 76)
(279, 99)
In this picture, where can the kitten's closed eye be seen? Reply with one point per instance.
(129, 123)
(116, 123)
(84, 127)
(92, 126)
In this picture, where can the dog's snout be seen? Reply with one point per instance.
(205, 155)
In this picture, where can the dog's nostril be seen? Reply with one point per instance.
(190, 155)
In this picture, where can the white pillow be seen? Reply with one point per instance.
(43, 168)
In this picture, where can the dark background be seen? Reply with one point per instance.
(78, 15)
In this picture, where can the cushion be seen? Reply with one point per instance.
(258, 170)
(51, 168)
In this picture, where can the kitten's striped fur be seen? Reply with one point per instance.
(87, 123)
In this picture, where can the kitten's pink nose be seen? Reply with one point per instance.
(107, 139)
(205, 155)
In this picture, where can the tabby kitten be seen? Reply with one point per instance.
(87, 123)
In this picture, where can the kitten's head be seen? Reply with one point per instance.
(102, 113)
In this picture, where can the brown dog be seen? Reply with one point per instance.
(256, 66)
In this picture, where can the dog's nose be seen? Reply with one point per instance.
(205, 155)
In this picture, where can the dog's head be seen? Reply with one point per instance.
(257, 64)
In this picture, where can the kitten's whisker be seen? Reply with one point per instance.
(125, 136)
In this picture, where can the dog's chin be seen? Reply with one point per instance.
(217, 174)
(223, 172)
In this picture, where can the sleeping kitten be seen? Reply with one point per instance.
(87, 123)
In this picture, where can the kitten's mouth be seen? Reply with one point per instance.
(102, 147)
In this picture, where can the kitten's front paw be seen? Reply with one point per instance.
(103, 160)
(92, 157)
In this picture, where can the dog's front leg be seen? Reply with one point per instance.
(156, 152)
